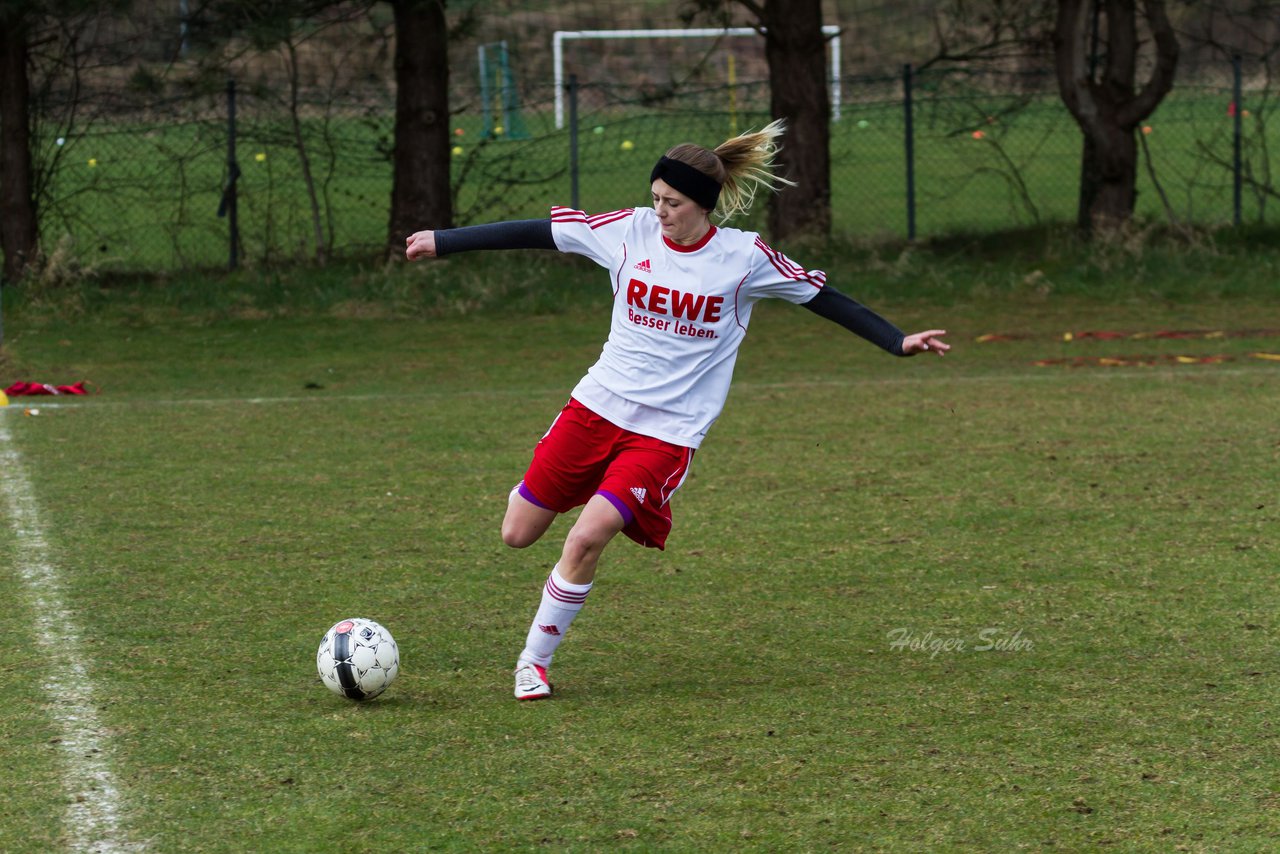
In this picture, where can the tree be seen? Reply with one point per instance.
(1104, 99)
(19, 229)
(43, 46)
(795, 50)
(421, 194)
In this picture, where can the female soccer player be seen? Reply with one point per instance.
(683, 291)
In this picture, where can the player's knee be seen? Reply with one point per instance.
(585, 543)
(519, 536)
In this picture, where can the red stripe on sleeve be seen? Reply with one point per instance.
(789, 268)
(563, 214)
(611, 217)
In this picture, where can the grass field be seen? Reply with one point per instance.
(960, 604)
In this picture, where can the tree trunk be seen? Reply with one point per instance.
(421, 192)
(19, 230)
(1088, 185)
(1115, 187)
(1109, 109)
(795, 49)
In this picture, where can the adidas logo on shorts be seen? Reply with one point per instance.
(639, 492)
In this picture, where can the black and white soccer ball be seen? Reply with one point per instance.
(358, 659)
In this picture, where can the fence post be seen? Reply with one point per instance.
(1237, 166)
(573, 140)
(227, 207)
(233, 220)
(909, 143)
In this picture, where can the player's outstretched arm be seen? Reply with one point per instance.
(920, 342)
(860, 320)
(518, 234)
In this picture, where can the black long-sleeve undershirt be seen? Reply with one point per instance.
(857, 318)
(536, 234)
(517, 234)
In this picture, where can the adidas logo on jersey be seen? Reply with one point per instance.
(643, 266)
(639, 492)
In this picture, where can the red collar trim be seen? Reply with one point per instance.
(693, 247)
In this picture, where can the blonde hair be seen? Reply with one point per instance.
(742, 166)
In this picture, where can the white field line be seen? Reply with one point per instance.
(94, 811)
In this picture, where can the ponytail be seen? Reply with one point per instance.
(742, 166)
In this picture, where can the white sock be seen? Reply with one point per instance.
(561, 602)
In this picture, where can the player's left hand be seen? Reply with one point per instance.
(922, 341)
(420, 244)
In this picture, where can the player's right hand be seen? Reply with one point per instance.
(421, 244)
(922, 342)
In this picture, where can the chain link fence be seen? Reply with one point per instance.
(912, 155)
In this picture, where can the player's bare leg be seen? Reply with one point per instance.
(525, 522)
(565, 593)
(599, 523)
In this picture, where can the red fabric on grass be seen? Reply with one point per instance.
(24, 389)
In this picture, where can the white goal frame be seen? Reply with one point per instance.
(561, 36)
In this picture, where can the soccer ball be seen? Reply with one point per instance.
(358, 659)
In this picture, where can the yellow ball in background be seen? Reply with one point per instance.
(627, 145)
(457, 150)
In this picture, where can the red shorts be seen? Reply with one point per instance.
(584, 455)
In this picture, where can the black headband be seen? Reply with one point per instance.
(694, 183)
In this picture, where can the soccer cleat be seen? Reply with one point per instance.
(531, 682)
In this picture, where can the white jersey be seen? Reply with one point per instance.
(680, 313)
